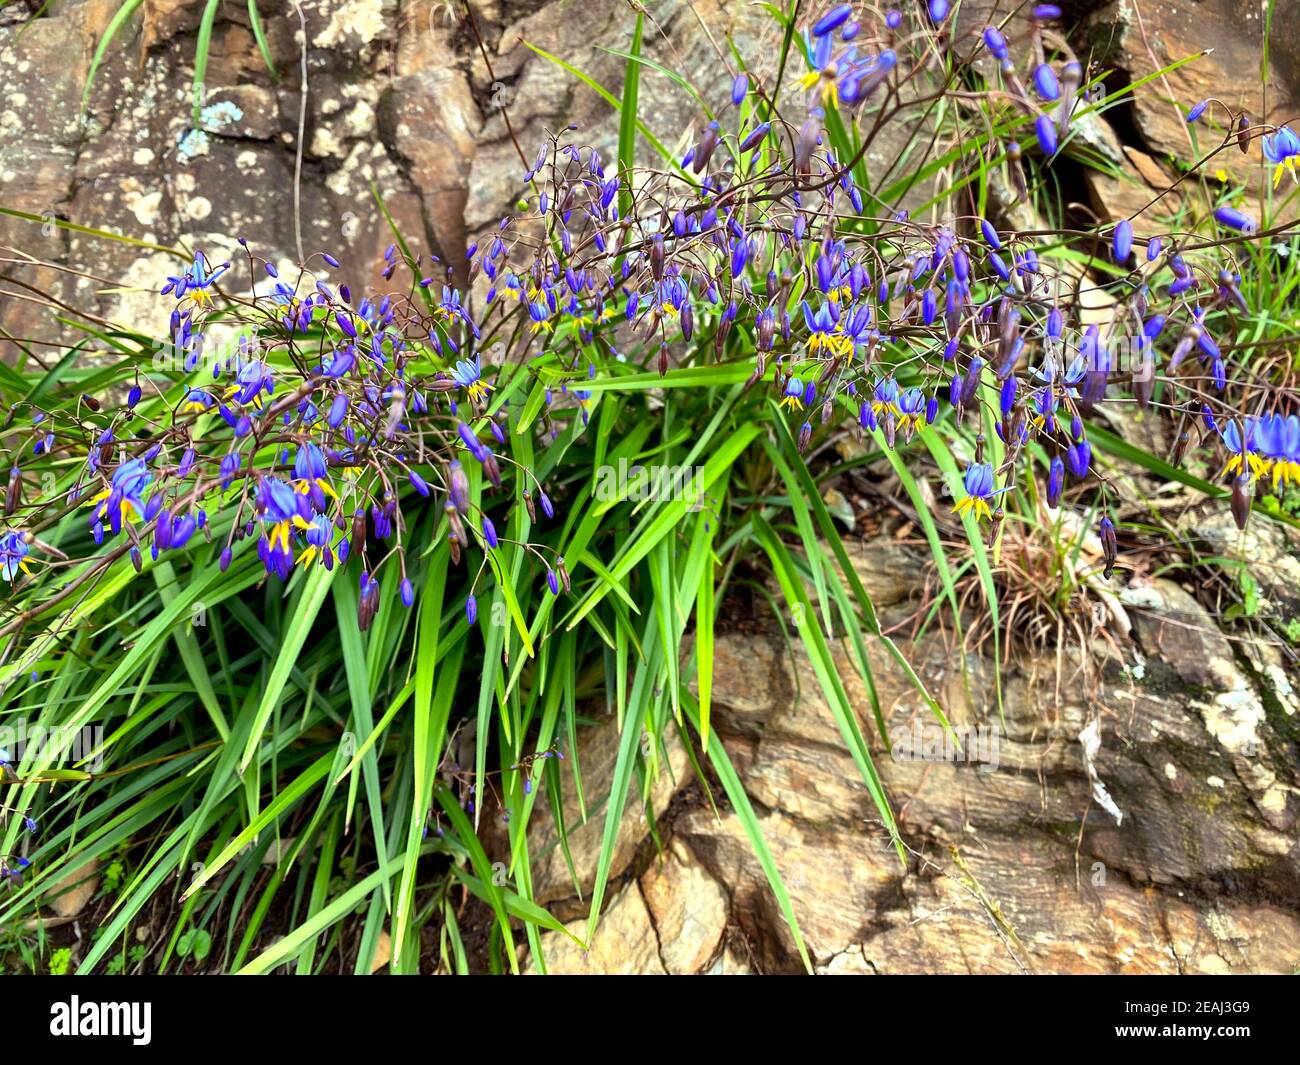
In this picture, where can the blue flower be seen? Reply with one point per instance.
(1282, 148)
(827, 72)
(282, 510)
(311, 475)
(823, 329)
(978, 482)
(911, 410)
(793, 395)
(123, 499)
(13, 555)
(1243, 456)
(196, 281)
(318, 536)
(468, 375)
(1278, 438)
(197, 401)
(251, 380)
(885, 398)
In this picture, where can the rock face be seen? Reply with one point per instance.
(402, 102)
(1141, 38)
(1012, 863)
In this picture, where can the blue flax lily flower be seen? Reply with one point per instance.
(311, 475)
(793, 397)
(911, 410)
(13, 555)
(1278, 438)
(251, 380)
(824, 331)
(469, 376)
(1242, 442)
(197, 401)
(670, 294)
(978, 482)
(196, 282)
(1282, 149)
(282, 510)
(318, 536)
(124, 497)
(885, 401)
(828, 73)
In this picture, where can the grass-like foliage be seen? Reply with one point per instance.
(304, 597)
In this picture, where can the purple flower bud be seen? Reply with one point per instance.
(1241, 501)
(1008, 394)
(1055, 482)
(739, 88)
(471, 609)
(832, 20)
(1234, 219)
(1079, 458)
(755, 137)
(1197, 111)
(489, 532)
(338, 411)
(996, 42)
(471, 441)
(1045, 82)
(1046, 130)
(407, 592)
(1122, 241)
(418, 482)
